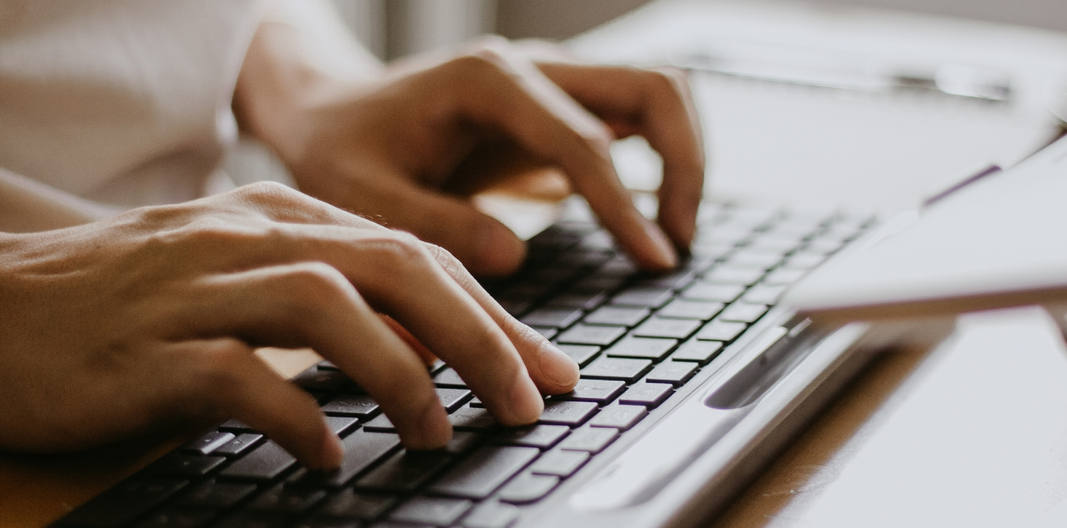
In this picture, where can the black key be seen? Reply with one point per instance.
(472, 418)
(452, 399)
(379, 424)
(527, 488)
(479, 475)
(361, 450)
(358, 504)
(322, 380)
(585, 301)
(648, 394)
(706, 291)
(539, 436)
(718, 330)
(570, 413)
(437, 511)
(288, 500)
(690, 309)
(625, 369)
(235, 426)
(618, 267)
(212, 494)
(674, 372)
(177, 518)
(668, 328)
(583, 334)
(208, 443)
(515, 307)
(733, 275)
(642, 348)
(238, 445)
(404, 471)
(342, 425)
(254, 520)
(647, 297)
(560, 463)
(180, 465)
(461, 442)
(702, 352)
(598, 284)
(581, 354)
(328, 522)
(675, 280)
(359, 405)
(621, 417)
(589, 439)
(743, 312)
(449, 378)
(617, 315)
(552, 317)
(123, 503)
(326, 365)
(600, 391)
(491, 515)
(264, 463)
(546, 332)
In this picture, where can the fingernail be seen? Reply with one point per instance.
(526, 402)
(499, 250)
(333, 453)
(558, 367)
(666, 257)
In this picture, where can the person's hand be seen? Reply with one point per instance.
(410, 148)
(121, 325)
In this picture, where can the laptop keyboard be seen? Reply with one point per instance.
(638, 338)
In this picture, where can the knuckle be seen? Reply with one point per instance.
(222, 365)
(398, 250)
(310, 284)
(667, 79)
(266, 192)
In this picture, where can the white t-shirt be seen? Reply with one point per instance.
(126, 102)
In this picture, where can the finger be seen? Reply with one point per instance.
(550, 369)
(410, 340)
(227, 373)
(509, 93)
(657, 104)
(312, 304)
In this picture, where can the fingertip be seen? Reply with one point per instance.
(661, 254)
(498, 251)
(433, 430)
(558, 368)
(332, 452)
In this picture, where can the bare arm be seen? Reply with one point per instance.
(27, 206)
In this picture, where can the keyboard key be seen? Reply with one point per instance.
(265, 462)
(743, 312)
(804, 260)
(172, 517)
(552, 317)
(539, 436)
(358, 504)
(702, 352)
(784, 276)
(342, 425)
(648, 394)
(763, 294)
(479, 475)
(689, 309)
(452, 399)
(449, 378)
(208, 443)
(287, 500)
(462, 441)
(624, 369)
(581, 354)
(361, 450)
(617, 315)
(646, 297)
(597, 284)
(642, 348)
(212, 494)
(176, 464)
(254, 520)
(437, 511)
(325, 380)
(589, 439)
(718, 330)
(667, 328)
(236, 426)
(560, 463)
(582, 334)
(328, 522)
(674, 372)
(570, 413)
(359, 405)
(491, 515)
(527, 488)
(582, 300)
(733, 275)
(472, 418)
(706, 291)
(546, 332)
(123, 503)
(754, 259)
(600, 391)
(238, 445)
(674, 280)
(404, 471)
(621, 417)
(379, 424)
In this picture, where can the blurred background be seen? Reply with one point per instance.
(393, 28)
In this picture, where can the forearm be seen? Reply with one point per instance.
(300, 49)
(27, 206)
